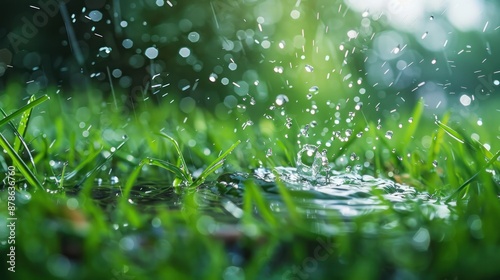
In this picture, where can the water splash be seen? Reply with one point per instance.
(319, 163)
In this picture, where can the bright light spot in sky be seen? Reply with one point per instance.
(465, 100)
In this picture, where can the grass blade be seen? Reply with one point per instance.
(20, 164)
(412, 128)
(466, 183)
(20, 140)
(178, 172)
(99, 166)
(23, 126)
(216, 164)
(455, 135)
(21, 110)
(183, 166)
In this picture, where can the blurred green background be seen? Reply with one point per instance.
(237, 57)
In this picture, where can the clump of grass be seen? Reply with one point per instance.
(142, 233)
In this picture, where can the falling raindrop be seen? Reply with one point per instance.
(281, 100)
(151, 52)
(309, 68)
(95, 16)
(314, 89)
(269, 152)
(389, 134)
(288, 123)
(104, 51)
(213, 77)
(353, 157)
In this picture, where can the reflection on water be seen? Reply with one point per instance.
(330, 202)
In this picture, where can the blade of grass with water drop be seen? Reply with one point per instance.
(466, 183)
(21, 110)
(183, 164)
(20, 164)
(455, 135)
(216, 164)
(151, 161)
(23, 126)
(177, 171)
(19, 139)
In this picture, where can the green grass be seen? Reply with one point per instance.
(104, 196)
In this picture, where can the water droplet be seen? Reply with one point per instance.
(304, 131)
(358, 106)
(435, 163)
(396, 50)
(425, 34)
(213, 77)
(246, 124)
(314, 89)
(319, 161)
(288, 123)
(281, 100)
(151, 52)
(278, 69)
(389, 134)
(433, 61)
(309, 96)
(410, 120)
(269, 152)
(95, 16)
(104, 51)
(431, 18)
(309, 68)
(353, 157)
